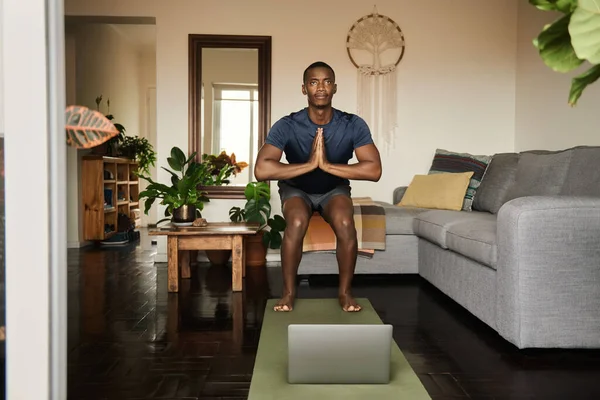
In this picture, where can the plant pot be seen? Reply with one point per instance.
(101, 149)
(218, 257)
(256, 251)
(185, 213)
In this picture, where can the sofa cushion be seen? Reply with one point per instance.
(475, 239)
(447, 161)
(583, 176)
(445, 191)
(398, 194)
(433, 225)
(540, 174)
(399, 220)
(498, 179)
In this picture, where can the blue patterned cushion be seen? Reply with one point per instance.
(447, 161)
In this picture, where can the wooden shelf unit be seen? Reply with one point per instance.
(122, 195)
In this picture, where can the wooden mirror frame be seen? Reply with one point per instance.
(196, 44)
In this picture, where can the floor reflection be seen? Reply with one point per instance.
(130, 338)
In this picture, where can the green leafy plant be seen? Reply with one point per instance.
(111, 145)
(221, 167)
(139, 149)
(186, 176)
(571, 40)
(258, 209)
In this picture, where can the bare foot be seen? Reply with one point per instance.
(348, 303)
(285, 303)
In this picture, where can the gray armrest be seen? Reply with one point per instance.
(548, 272)
(398, 194)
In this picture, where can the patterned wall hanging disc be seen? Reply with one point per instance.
(375, 45)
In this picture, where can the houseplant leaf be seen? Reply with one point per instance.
(87, 128)
(258, 211)
(237, 214)
(256, 190)
(178, 155)
(584, 29)
(277, 223)
(276, 240)
(554, 45)
(177, 161)
(272, 240)
(580, 82)
(148, 203)
(565, 6)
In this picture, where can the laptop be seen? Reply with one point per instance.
(339, 353)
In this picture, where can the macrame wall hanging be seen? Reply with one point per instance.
(375, 45)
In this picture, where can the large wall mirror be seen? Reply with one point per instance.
(229, 101)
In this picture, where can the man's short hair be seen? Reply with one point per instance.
(317, 64)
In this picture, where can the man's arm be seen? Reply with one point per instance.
(368, 167)
(269, 167)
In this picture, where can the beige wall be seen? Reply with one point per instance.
(543, 117)
(456, 83)
(107, 65)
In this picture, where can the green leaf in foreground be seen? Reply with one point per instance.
(584, 30)
(554, 45)
(565, 6)
(580, 82)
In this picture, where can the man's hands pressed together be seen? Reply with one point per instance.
(313, 161)
(318, 157)
(322, 156)
(367, 168)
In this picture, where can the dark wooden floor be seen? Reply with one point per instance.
(129, 339)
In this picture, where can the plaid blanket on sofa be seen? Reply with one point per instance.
(369, 220)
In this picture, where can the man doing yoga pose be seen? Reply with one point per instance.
(318, 142)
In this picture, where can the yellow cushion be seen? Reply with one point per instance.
(444, 191)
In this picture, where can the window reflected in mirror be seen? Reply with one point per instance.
(230, 106)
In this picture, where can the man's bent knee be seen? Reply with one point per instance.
(297, 224)
(297, 215)
(343, 224)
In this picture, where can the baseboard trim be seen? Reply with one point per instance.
(78, 245)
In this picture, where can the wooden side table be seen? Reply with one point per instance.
(214, 236)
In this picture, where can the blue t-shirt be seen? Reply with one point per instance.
(294, 135)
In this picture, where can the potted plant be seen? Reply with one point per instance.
(258, 209)
(139, 149)
(110, 147)
(183, 199)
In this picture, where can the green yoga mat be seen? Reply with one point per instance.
(269, 379)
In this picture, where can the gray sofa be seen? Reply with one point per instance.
(526, 260)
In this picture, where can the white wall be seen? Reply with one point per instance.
(147, 96)
(107, 65)
(544, 119)
(456, 83)
(147, 79)
(104, 64)
(74, 223)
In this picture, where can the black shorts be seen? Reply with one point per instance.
(316, 202)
